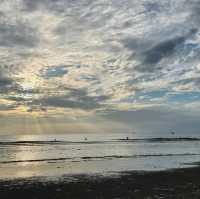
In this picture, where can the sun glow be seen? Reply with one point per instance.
(26, 86)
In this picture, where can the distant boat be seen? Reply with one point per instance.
(127, 138)
(85, 139)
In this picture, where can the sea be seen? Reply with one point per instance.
(24, 156)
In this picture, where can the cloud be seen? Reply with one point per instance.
(7, 83)
(58, 7)
(7, 107)
(194, 13)
(17, 33)
(32, 5)
(90, 56)
(162, 50)
(150, 58)
(78, 99)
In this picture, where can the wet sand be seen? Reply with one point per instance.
(179, 183)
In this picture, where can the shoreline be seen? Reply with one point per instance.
(174, 183)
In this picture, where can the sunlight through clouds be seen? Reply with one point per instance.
(108, 59)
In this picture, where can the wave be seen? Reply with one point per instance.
(57, 142)
(90, 158)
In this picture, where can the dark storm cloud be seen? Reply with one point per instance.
(65, 102)
(7, 84)
(161, 50)
(17, 34)
(151, 57)
(76, 98)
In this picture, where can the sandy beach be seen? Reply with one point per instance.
(179, 183)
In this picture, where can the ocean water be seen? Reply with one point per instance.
(56, 155)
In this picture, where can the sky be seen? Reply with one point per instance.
(85, 66)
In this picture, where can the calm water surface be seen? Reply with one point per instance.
(56, 155)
